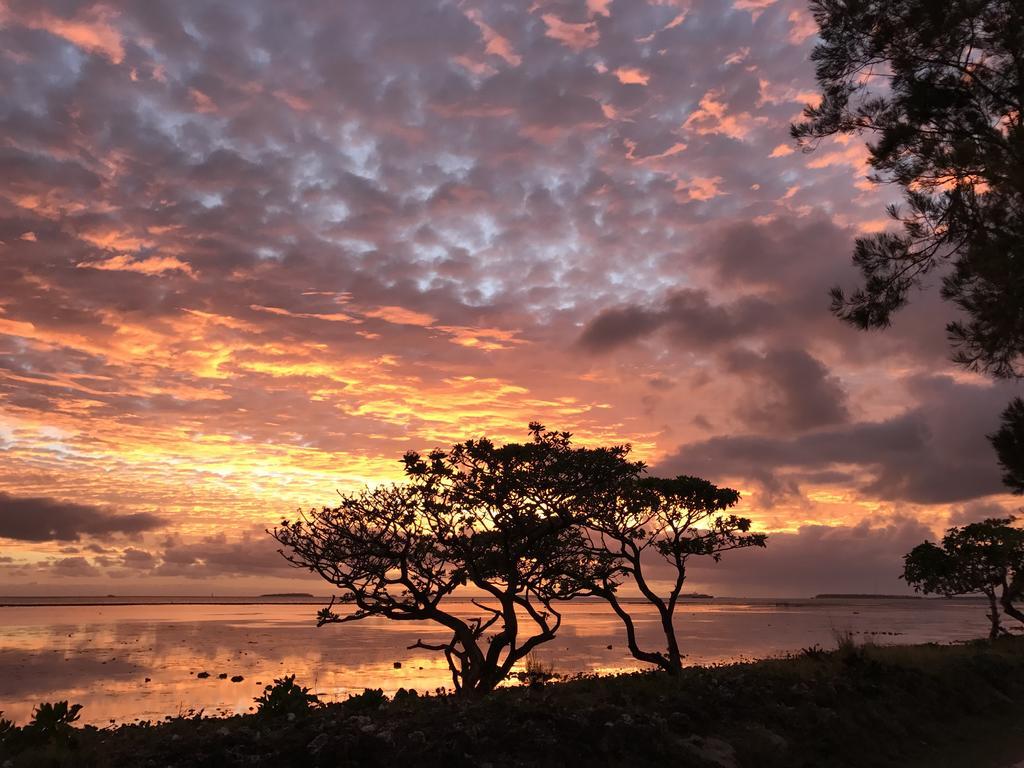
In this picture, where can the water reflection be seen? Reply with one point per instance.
(127, 662)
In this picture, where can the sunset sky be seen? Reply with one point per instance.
(251, 252)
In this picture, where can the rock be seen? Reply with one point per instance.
(318, 743)
(203, 675)
(714, 751)
(609, 647)
(397, 665)
(237, 679)
(769, 737)
(148, 679)
(222, 676)
(680, 721)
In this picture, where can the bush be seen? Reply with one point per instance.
(370, 700)
(51, 724)
(285, 697)
(7, 729)
(536, 672)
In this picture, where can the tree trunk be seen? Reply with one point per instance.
(674, 659)
(1011, 591)
(1010, 609)
(993, 614)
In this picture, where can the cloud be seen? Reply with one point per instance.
(933, 453)
(790, 390)
(48, 519)
(254, 553)
(866, 557)
(688, 315)
(577, 37)
(275, 247)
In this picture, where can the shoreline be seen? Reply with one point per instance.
(915, 705)
(94, 601)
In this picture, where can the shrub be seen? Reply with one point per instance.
(52, 724)
(285, 697)
(7, 728)
(536, 672)
(370, 700)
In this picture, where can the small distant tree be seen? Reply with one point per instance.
(981, 558)
(499, 519)
(1008, 441)
(651, 529)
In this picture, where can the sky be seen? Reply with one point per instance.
(252, 252)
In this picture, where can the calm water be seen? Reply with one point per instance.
(101, 655)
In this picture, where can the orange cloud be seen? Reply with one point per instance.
(494, 43)
(755, 7)
(578, 37)
(201, 101)
(334, 317)
(92, 30)
(152, 265)
(400, 316)
(712, 117)
(632, 76)
(802, 26)
(701, 188)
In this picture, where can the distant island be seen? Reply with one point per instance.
(697, 596)
(287, 594)
(853, 596)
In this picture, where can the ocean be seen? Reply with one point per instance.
(127, 659)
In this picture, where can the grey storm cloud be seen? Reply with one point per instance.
(254, 553)
(933, 453)
(688, 316)
(865, 557)
(792, 391)
(47, 519)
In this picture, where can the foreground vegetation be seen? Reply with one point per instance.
(856, 706)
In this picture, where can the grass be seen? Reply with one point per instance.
(857, 705)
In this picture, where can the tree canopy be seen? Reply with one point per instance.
(521, 527)
(985, 557)
(501, 520)
(938, 88)
(1008, 441)
(647, 533)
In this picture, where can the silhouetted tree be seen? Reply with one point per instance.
(1008, 441)
(648, 532)
(985, 557)
(499, 519)
(939, 87)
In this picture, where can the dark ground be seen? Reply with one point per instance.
(906, 707)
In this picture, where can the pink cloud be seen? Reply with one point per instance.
(577, 37)
(632, 76)
(495, 43)
(153, 265)
(802, 26)
(712, 116)
(92, 30)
